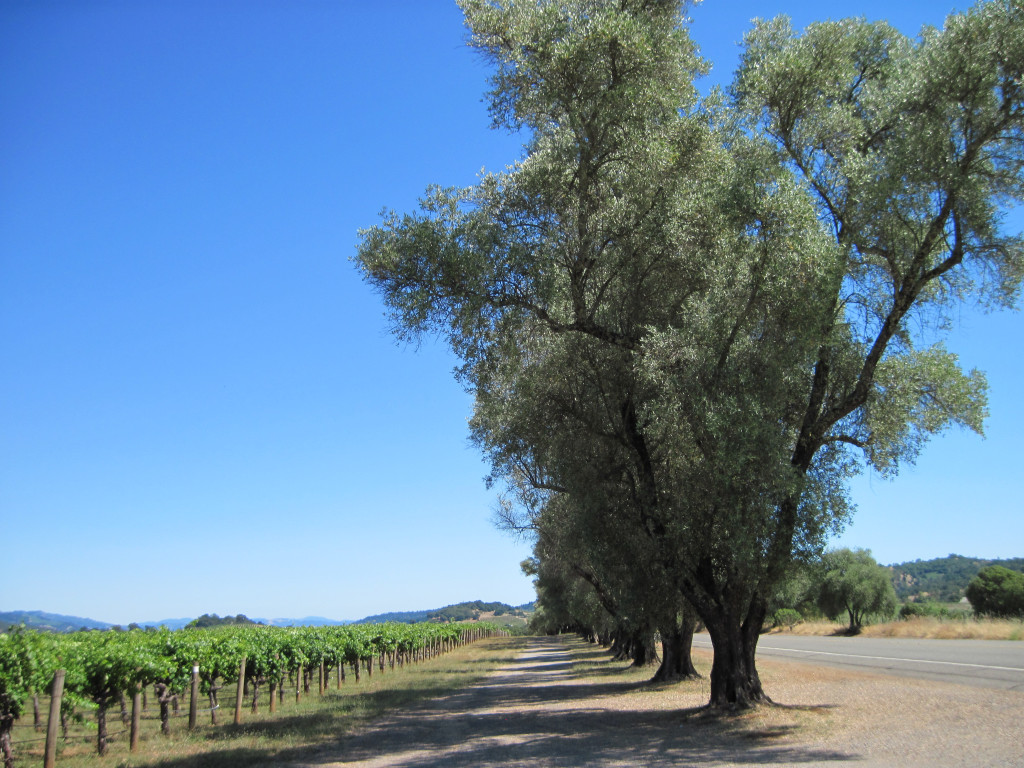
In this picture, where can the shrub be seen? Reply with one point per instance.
(927, 608)
(786, 617)
(997, 591)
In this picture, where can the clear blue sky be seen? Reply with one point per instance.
(201, 409)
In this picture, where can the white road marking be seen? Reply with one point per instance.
(881, 658)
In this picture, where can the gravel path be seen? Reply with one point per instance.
(540, 710)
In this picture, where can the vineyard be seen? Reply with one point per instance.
(87, 675)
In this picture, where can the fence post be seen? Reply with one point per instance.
(56, 693)
(193, 704)
(241, 692)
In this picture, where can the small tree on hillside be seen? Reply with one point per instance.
(997, 591)
(855, 584)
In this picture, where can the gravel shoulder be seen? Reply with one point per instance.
(563, 703)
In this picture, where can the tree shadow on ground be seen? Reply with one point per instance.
(536, 711)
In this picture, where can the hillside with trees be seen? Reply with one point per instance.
(48, 622)
(942, 579)
(468, 611)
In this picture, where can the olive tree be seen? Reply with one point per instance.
(855, 585)
(737, 280)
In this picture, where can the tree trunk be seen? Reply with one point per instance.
(273, 697)
(643, 649)
(163, 696)
(620, 646)
(125, 717)
(6, 723)
(735, 683)
(676, 642)
(37, 717)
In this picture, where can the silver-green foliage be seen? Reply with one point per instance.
(686, 324)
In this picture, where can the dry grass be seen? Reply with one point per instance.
(920, 627)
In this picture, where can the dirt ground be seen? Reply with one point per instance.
(563, 703)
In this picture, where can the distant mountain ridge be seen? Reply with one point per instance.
(50, 622)
(56, 622)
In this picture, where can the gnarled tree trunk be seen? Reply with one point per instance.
(735, 683)
(676, 642)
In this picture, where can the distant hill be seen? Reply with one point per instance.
(169, 623)
(308, 621)
(476, 609)
(402, 617)
(943, 579)
(213, 620)
(468, 611)
(49, 622)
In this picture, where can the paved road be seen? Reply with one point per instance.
(984, 663)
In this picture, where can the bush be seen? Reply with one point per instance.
(927, 608)
(786, 617)
(997, 591)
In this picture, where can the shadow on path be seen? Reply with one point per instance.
(537, 712)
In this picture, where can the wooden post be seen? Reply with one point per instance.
(193, 703)
(241, 692)
(133, 738)
(323, 677)
(56, 693)
(298, 685)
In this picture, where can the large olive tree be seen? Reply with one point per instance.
(734, 282)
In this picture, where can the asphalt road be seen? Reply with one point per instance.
(983, 663)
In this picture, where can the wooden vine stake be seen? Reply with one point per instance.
(241, 692)
(193, 704)
(56, 694)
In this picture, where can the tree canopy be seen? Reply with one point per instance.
(686, 323)
(997, 591)
(854, 584)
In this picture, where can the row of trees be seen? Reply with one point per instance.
(103, 669)
(842, 584)
(687, 322)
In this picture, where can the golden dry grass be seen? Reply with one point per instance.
(921, 627)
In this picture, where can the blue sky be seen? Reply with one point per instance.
(201, 409)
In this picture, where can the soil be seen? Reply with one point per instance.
(563, 703)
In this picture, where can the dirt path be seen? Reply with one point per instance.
(540, 711)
